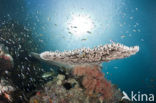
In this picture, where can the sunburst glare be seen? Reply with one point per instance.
(80, 24)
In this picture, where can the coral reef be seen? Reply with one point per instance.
(71, 91)
(82, 66)
(98, 54)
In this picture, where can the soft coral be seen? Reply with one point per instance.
(94, 81)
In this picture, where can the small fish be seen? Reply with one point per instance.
(141, 39)
(111, 41)
(73, 26)
(134, 30)
(83, 39)
(89, 32)
(131, 17)
(49, 18)
(139, 30)
(41, 34)
(69, 32)
(40, 40)
(37, 12)
(136, 9)
(115, 67)
(55, 24)
(48, 74)
(123, 36)
(107, 73)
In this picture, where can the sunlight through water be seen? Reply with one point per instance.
(79, 25)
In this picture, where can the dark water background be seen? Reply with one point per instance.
(135, 19)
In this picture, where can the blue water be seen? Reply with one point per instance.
(135, 19)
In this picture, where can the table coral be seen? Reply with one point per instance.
(94, 55)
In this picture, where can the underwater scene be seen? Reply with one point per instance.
(77, 51)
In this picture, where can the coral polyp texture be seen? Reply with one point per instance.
(98, 54)
(94, 82)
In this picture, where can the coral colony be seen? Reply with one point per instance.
(79, 79)
(85, 83)
(96, 55)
